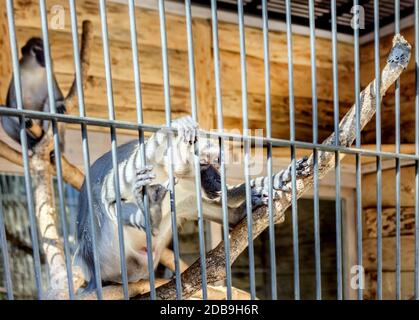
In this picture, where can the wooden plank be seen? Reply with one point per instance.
(229, 41)
(121, 61)
(5, 57)
(407, 187)
(124, 95)
(204, 74)
(27, 15)
(407, 222)
(389, 285)
(230, 74)
(389, 253)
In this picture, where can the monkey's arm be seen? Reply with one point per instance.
(236, 195)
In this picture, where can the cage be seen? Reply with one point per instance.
(273, 84)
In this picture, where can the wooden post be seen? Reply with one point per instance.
(5, 58)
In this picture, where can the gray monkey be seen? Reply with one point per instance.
(156, 152)
(133, 178)
(34, 93)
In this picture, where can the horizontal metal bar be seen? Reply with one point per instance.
(211, 134)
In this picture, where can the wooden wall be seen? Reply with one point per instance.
(28, 24)
(389, 233)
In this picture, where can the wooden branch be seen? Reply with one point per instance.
(191, 279)
(42, 172)
(71, 174)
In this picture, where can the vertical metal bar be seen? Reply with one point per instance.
(336, 113)
(417, 151)
(398, 177)
(57, 150)
(24, 143)
(5, 254)
(85, 145)
(378, 148)
(245, 119)
(358, 145)
(139, 106)
(315, 153)
(192, 88)
(220, 126)
(166, 82)
(272, 253)
(111, 110)
(293, 160)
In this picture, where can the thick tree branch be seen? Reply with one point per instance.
(191, 279)
(42, 172)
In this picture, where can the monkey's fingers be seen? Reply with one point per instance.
(144, 170)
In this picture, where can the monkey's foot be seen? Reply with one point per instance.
(281, 179)
(187, 129)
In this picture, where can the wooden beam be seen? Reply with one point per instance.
(389, 253)
(407, 187)
(5, 58)
(204, 74)
(407, 222)
(389, 285)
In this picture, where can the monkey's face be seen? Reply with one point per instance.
(35, 48)
(209, 153)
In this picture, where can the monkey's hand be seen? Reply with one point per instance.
(187, 129)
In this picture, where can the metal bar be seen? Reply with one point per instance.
(417, 151)
(85, 145)
(57, 150)
(398, 177)
(315, 153)
(5, 253)
(336, 115)
(293, 160)
(170, 147)
(24, 143)
(378, 147)
(246, 147)
(266, 58)
(192, 88)
(114, 146)
(139, 106)
(220, 126)
(357, 156)
(219, 134)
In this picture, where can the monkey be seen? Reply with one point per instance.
(34, 85)
(183, 146)
(133, 178)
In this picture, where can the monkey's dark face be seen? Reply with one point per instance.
(35, 48)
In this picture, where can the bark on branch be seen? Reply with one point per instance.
(397, 61)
